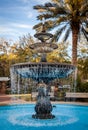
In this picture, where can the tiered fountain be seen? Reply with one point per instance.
(43, 72)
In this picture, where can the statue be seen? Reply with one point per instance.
(43, 106)
(42, 90)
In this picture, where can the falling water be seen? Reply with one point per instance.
(21, 73)
(26, 75)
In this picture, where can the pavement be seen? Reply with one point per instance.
(9, 99)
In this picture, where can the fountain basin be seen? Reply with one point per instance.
(67, 117)
(42, 71)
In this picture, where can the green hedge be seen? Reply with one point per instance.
(82, 87)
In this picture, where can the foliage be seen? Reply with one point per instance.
(82, 48)
(60, 54)
(20, 52)
(4, 65)
(14, 53)
(4, 52)
(81, 86)
(83, 58)
(83, 67)
(66, 16)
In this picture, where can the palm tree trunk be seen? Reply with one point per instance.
(75, 31)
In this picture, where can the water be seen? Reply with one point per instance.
(38, 72)
(19, 117)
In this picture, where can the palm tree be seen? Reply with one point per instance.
(68, 16)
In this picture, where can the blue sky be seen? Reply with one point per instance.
(17, 17)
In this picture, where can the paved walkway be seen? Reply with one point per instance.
(6, 100)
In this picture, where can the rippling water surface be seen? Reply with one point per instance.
(67, 117)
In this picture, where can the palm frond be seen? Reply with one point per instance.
(60, 11)
(84, 29)
(50, 4)
(67, 34)
(47, 6)
(84, 12)
(38, 7)
(85, 33)
(80, 34)
(37, 25)
(61, 19)
(50, 24)
(45, 16)
(51, 7)
(83, 7)
(58, 2)
(86, 24)
(58, 33)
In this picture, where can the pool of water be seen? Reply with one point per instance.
(67, 117)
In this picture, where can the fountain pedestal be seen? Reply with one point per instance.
(43, 106)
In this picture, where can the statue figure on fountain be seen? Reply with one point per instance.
(42, 90)
(43, 106)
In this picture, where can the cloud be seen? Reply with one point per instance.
(17, 25)
(8, 30)
(42, 1)
(36, 1)
(25, 1)
(19, 18)
(29, 15)
(14, 30)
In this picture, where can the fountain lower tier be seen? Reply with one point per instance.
(43, 71)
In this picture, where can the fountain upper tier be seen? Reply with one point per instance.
(43, 47)
(43, 71)
(43, 36)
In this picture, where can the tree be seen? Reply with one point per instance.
(14, 53)
(83, 59)
(60, 54)
(4, 46)
(21, 48)
(68, 16)
(4, 53)
(83, 68)
(82, 48)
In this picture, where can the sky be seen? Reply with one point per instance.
(17, 18)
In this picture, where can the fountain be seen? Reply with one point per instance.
(42, 72)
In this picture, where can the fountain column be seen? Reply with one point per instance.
(43, 106)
